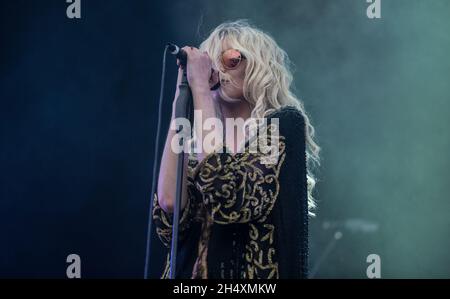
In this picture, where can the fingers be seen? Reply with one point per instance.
(191, 50)
(194, 54)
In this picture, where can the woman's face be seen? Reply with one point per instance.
(228, 91)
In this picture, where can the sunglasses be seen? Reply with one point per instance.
(231, 58)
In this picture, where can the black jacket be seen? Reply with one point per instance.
(244, 218)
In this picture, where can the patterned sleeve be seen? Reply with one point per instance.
(164, 220)
(240, 187)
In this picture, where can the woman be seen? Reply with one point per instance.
(241, 217)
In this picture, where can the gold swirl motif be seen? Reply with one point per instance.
(235, 188)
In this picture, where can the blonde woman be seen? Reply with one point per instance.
(241, 217)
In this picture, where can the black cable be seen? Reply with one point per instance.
(155, 165)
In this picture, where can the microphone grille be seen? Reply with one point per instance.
(174, 49)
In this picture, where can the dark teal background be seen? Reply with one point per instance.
(78, 102)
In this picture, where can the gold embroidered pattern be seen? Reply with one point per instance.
(239, 188)
(260, 252)
(200, 266)
(166, 272)
(233, 188)
(163, 220)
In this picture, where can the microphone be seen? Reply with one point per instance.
(182, 56)
(178, 52)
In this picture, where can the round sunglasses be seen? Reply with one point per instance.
(231, 58)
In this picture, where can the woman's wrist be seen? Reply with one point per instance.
(201, 89)
(203, 100)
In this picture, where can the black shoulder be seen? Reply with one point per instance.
(289, 115)
(291, 126)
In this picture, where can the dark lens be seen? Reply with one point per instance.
(233, 62)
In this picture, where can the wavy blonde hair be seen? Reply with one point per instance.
(267, 83)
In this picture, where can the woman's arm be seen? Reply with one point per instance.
(167, 170)
(198, 73)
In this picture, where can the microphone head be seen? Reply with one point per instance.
(174, 49)
(179, 53)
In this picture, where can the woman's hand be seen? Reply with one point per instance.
(199, 68)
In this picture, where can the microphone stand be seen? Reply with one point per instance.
(183, 108)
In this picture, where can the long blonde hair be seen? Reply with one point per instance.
(267, 83)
